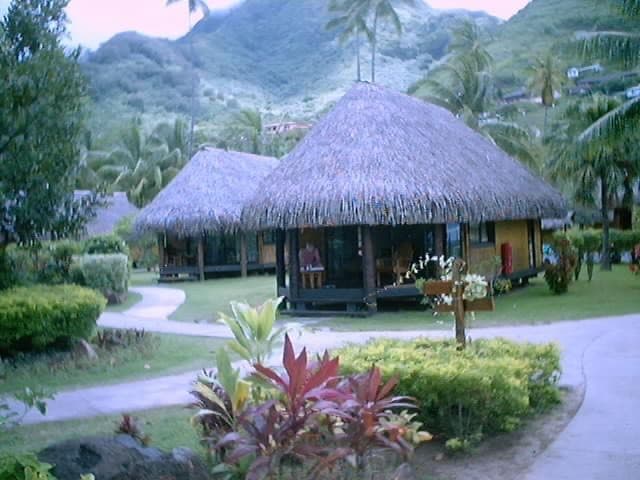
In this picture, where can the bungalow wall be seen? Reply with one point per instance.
(525, 238)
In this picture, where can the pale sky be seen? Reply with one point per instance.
(95, 21)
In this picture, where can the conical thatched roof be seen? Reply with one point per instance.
(207, 195)
(382, 157)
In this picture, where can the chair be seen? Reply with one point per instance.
(402, 259)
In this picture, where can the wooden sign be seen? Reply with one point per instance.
(459, 306)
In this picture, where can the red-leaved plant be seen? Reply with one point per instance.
(315, 420)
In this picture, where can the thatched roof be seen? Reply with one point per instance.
(207, 195)
(116, 207)
(382, 157)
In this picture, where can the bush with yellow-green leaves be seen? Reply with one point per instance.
(489, 387)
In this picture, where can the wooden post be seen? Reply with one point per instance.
(243, 255)
(280, 266)
(369, 269)
(439, 239)
(161, 252)
(294, 264)
(458, 302)
(201, 257)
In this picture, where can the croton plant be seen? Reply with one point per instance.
(303, 414)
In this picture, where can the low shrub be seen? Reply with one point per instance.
(462, 395)
(24, 467)
(143, 249)
(558, 276)
(105, 244)
(48, 262)
(33, 318)
(109, 274)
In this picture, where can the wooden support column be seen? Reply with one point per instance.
(440, 239)
(369, 269)
(280, 266)
(243, 255)
(294, 264)
(201, 257)
(161, 251)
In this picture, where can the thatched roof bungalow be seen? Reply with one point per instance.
(197, 216)
(384, 178)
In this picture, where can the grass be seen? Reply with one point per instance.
(174, 354)
(206, 299)
(610, 293)
(132, 299)
(167, 427)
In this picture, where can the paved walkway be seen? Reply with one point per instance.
(153, 311)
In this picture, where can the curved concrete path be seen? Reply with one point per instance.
(152, 314)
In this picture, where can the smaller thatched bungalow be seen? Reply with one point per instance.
(116, 207)
(197, 217)
(383, 179)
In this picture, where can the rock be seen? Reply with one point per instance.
(84, 349)
(121, 458)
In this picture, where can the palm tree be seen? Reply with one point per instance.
(601, 163)
(194, 6)
(467, 92)
(622, 47)
(381, 10)
(351, 21)
(245, 131)
(546, 79)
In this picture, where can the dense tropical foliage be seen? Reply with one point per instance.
(41, 114)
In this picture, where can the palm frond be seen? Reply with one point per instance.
(620, 47)
(613, 123)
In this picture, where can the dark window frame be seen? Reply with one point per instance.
(482, 234)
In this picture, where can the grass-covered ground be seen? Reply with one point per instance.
(173, 354)
(609, 293)
(167, 427)
(206, 299)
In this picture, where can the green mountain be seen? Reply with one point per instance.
(271, 54)
(276, 55)
(543, 26)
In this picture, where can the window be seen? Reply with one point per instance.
(484, 232)
(269, 237)
(454, 240)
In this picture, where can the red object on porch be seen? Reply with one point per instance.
(506, 252)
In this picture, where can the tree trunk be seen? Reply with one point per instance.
(605, 261)
(192, 106)
(358, 54)
(373, 48)
(546, 115)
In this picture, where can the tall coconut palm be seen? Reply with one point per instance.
(194, 6)
(350, 20)
(546, 79)
(381, 10)
(622, 47)
(601, 164)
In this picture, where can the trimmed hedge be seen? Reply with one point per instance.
(33, 318)
(109, 274)
(487, 388)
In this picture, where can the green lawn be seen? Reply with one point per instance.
(174, 354)
(610, 293)
(206, 299)
(132, 299)
(167, 427)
